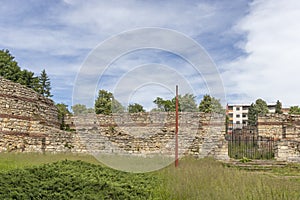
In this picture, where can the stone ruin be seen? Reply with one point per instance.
(29, 123)
(285, 129)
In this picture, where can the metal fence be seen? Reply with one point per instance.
(246, 143)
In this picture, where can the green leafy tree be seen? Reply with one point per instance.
(259, 108)
(9, 68)
(186, 103)
(295, 110)
(63, 111)
(211, 105)
(164, 105)
(107, 104)
(135, 108)
(44, 84)
(278, 107)
(81, 109)
(252, 115)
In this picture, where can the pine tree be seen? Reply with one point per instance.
(278, 107)
(252, 115)
(45, 85)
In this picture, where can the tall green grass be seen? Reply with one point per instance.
(9, 161)
(209, 179)
(193, 179)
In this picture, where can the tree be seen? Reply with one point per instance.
(211, 105)
(78, 109)
(63, 111)
(259, 108)
(186, 103)
(10, 70)
(252, 115)
(294, 110)
(278, 107)
(44, 84)
(164, 105)
(135, 108)
(107, 104)
(81, 109)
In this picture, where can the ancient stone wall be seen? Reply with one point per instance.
(20, 107)
(285, 129)
(28, 121)
(279, 126)
(199, 135)
(287, 150)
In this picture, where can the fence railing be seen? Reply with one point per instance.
(245, 142)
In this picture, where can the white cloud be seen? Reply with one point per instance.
(272, 67)
(57, 35)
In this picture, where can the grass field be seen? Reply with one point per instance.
(37, 176)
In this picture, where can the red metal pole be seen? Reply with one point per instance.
(176, 129)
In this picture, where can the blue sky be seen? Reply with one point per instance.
(254, 44)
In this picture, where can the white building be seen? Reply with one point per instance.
(238, 114)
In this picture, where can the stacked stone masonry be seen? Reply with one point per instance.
(29, 122)
(199, 135)
(285, 129)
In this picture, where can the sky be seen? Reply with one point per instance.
(246, 49)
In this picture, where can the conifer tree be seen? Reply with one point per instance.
(45, 85)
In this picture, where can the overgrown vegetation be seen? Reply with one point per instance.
(23, 178)
(209, 179)
(75, 180)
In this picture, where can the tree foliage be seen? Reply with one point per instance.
(81, 109)
(63, 111)
(186, 103)
(164, 105)
(252, 115)
(295, 110)
(135, 108)
(278, 107)
(107, 104)
(10, 70)
(44, 84)
(259, 108)
(211, 105)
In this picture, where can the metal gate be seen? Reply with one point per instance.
(245, 142)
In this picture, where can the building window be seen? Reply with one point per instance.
(237, 116)
(237, 108)
(230, 115)
(244, 115)
(230, 107)
(238, 122)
